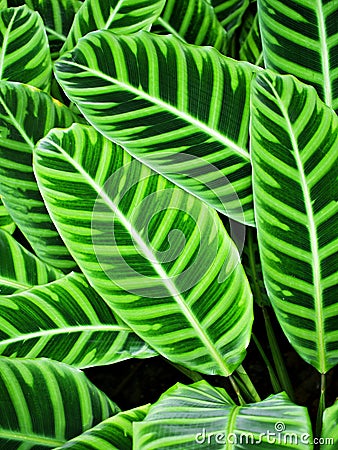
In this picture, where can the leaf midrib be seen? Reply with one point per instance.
(324, 54)
(318, 300)
(5, 42)
(151, 257)
(167, 106)
(30, 438)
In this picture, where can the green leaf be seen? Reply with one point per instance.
(195, 22)
(45, 403)
(230, 13)
(115, 433)
(160, 257)
(120, 16)
(58, 17)
(295, 171)
(330, 428)
(300, 37)
(200, 416)
(19, 269)
(67, 321)
(174, 107)
(6, 222)
(26, 115)
(24, 50)
(251, 44)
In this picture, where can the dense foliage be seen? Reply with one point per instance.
(167, 169)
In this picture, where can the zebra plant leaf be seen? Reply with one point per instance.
(58, 17)
(120, 16)
(67, 321)
(6, 222)
(46, 403)
(230, 13)
(20, 269)
(300, 37)
(24, 50)
(195, 22)
(26, 115)
(294, 155)
(115, 433)
(251, 43)
(182, 110)
(200, 416)
(160, 257)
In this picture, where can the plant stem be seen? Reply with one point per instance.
(277, 356)
(237, 391)
(273, 377)
(248, 383)
(194, 376)
(321, 406)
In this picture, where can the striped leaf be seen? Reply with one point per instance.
(330, 429)
(251, 43)
(195, 22)
(24, 50)
(295, 171)
(300, 37)
(182, 110)
(6, 222)
(58, 17)
(230, 13)
(121, 16)
(160, 257)
(19, 269)
(67, 321)
(200, 416)
(45, 403)
(115, 433)
(26, 115)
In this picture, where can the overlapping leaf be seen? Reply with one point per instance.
(58, 17)
(115, 433)
(26, 115)
(330, 430)
(45, 403)
(230, 13)
(250, 42)
(180, 109)
(66, 321)
(194, 21)
(294, 154)
(24, 50)
(121, 16)
(19, 269)
(300, 37)
(200, 416)
(159, 256)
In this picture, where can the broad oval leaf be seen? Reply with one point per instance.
(24, 50)
(67, 321)
(160, 257)
(120, 16)
(195, 22)
(200, 416)
(300, 37)
(115, 433)
(26, 115)
(295, 171)
(45, 403)
(20, 269)
(182, 110)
